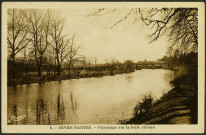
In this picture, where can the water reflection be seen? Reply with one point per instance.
(15, 113)
(60, 104)
(104, 100)
(39, 111)
(60, 109)
(42, 113)
(74, 103)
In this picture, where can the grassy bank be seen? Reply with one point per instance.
(75, 74)
(178, 106)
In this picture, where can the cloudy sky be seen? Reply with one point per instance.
(125, 41)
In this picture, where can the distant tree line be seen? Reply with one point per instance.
(83, 63)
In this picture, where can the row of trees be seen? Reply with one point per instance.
(111, 65)
(69, 68)
(40, 34)
(175, 57)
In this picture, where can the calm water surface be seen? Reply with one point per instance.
(104, 100)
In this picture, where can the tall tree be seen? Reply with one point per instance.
(40, 27)
(72, 55)
(17, 34)
(49, 60)
(60, 42)
(28, 60)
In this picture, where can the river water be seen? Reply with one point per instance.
(97, 100)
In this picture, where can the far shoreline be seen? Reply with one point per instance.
(64, 77)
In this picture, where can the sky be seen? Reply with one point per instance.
(124, 41)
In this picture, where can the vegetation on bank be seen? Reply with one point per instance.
(178, 106)
(31, 75)
(75, 75)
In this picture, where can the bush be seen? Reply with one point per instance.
(141, 108)
(144, 104)
(129, 65)
(111, 73)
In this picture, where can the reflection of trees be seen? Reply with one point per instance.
(42, 113)
(73, 103)
(47, 112)
(15, 113)
(60, 108)
(14, 107)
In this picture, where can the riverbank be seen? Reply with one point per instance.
(33, 78)
(178, 106)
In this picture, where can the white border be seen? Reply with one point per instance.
(196, 128)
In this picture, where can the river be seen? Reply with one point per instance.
(96, 100)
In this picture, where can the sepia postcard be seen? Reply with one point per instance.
(103, 67)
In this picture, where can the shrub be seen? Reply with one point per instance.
(142, 107)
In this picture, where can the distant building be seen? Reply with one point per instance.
(152, 64)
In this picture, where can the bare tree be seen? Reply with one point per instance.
(72, 55)
(170, 53)
(49, 60)
(40, 27)
(28, 60)
(60, 43)
(83, 62)
(95, 61)
(17, 33)
(113, 62)
(180, 24)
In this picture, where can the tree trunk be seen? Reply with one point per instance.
(59, 70)
(14, 67)
(54, 71)
(69, 70)
(49, 70)
(58, 65)
(39, 70)
(54, 68)
(27, 73)
(40, 66)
